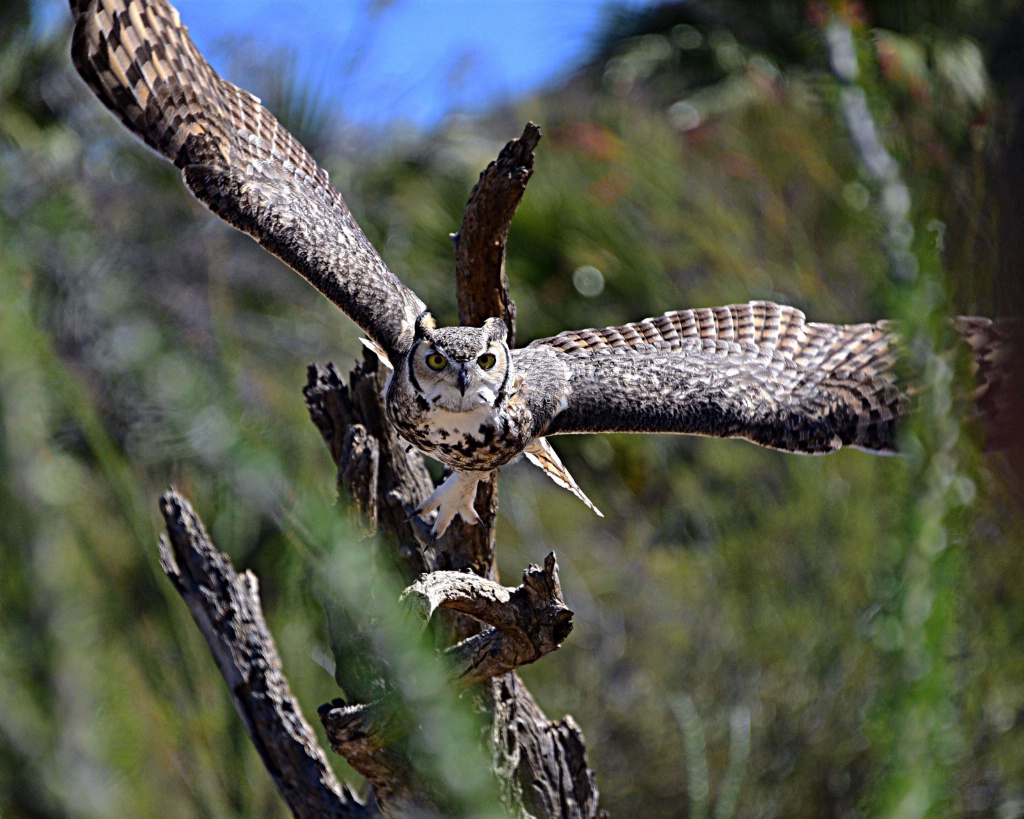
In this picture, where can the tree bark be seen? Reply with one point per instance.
(525, 623)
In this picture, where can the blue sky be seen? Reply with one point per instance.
(381, 61)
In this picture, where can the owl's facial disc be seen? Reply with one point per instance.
(460, 369)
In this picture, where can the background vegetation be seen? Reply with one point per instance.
(852, 625)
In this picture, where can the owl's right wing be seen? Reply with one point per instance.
(236, 158)
(756, 371)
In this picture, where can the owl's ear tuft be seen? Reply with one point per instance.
(496, 329)
(425, 325)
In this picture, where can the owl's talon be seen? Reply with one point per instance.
(454, 496)
(421, 512)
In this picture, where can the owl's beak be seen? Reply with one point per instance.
(463, 378)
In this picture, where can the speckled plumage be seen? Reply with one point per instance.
(757, 371)
(236, 158)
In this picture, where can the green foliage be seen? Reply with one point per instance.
(864, 613)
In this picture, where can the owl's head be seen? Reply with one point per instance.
(460, 368)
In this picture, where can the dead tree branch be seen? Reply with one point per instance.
(480, 243)
(526, 622)
(542, 764)
(545, 762)
(226, 608)
(369, 738)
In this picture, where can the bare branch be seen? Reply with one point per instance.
(226, 608)
(480, 243)
(368, 736)
(545, 760)
(528, 622)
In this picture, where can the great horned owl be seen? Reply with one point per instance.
(757, 371)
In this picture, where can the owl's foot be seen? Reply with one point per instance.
(453, 497)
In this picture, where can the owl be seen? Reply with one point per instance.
(758, 371)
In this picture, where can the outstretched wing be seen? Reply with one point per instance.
(236, 158)
(757, 371)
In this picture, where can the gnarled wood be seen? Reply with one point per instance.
(226, 608)
(526, 622)
(480, 280)
(368, 736)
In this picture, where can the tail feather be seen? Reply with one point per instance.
(540, 453)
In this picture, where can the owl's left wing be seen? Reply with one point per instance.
(238, 160)
(757, 371)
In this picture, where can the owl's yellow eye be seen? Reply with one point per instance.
(437, 362)
(486, 361)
